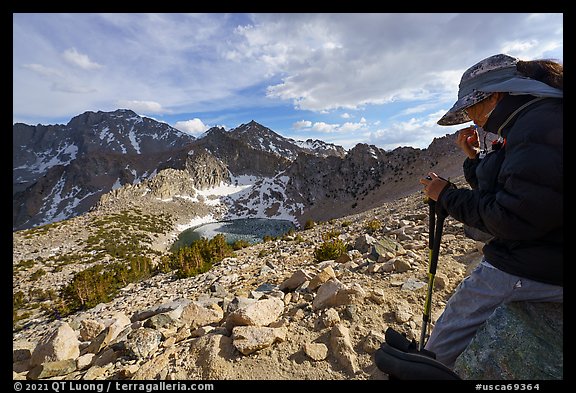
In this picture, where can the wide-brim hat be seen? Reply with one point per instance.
(475, 79)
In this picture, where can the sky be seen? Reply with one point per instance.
(346, 78)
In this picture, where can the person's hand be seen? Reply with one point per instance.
(467, 140)
(433, 185)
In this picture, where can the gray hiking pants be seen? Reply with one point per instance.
(474, 300)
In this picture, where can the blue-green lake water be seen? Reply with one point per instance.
(251, 230)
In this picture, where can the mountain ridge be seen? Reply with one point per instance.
(65, 174)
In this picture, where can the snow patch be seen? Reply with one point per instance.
(231, 190)
(52, 214)
(133, 140)
(116, 184)
(268, 194)
(196, 222)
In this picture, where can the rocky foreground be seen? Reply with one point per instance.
(269, 312)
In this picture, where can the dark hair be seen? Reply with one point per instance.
(546, 70)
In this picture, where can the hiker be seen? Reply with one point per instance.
(516, 193)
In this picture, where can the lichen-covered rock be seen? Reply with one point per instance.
(521, 341)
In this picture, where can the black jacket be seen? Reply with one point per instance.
(517, 193)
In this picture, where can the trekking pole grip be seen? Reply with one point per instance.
(431, 221)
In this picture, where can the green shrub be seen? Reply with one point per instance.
(18, 299)
(189, 262)
(198, 257)
(239, 244)
(331, 234)
(291, 232)
(330, 249)
(373, 225)
(100, 283)
(37, 274)
(298, 238)
(309, 224)
(25, 264)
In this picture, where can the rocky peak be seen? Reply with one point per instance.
(61, 171)
(321, 148)
(215, 132)
(206, 170)
(125, 132)
(90, 118)
(365, 153)
(252, 125)
(262, 138)
(443, 145)
(240, 155)
(256, 129)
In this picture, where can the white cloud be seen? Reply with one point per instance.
(518, 46)
(416, 132)
(72, 87)
(415, 109)
(80, 60)
(323, 127)
(224, 67)
(361, 71)
(347, 127)
(193, 127)
(142, 106)
(302, 124)
(350, 127)
(528, 48)
(43, 70)
(59, 81)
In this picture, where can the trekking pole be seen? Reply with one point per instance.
(434, 239)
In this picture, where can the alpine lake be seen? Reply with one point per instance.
(251, 230)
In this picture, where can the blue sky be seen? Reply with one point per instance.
(378, 78)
